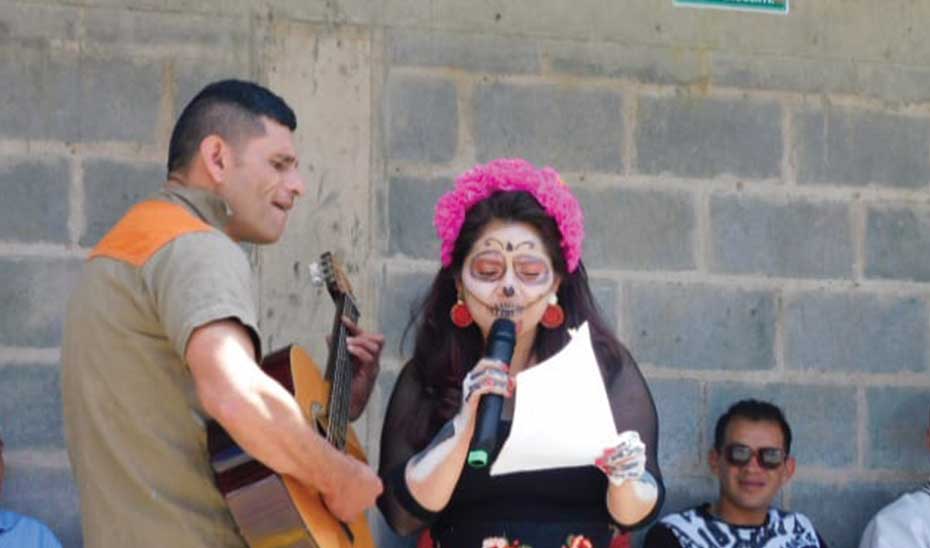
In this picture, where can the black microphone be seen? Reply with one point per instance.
(500, 347)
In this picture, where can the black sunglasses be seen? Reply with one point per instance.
(769, 458)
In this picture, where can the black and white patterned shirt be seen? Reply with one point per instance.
(697, 528)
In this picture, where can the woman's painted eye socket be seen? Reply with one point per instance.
(488, 268)
(531, 269)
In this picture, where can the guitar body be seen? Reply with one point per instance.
(274, 511)
(311, 391)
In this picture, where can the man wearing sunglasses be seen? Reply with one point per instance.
(904, 522)
(752, 460)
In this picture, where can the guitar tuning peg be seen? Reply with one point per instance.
(316, 274)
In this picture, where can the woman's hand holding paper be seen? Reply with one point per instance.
(624, 461)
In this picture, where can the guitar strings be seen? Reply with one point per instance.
(341, 392)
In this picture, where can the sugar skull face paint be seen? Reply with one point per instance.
(508, 274)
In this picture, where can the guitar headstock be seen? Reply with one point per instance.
(337, 282)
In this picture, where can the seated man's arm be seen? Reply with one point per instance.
(265, 420)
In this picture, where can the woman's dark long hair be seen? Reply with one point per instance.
(443, 353)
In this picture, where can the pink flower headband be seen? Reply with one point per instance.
(511, 174)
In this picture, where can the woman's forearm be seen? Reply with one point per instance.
(433, 473)
(632, 500)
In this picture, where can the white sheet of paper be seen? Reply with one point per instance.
(562, 416)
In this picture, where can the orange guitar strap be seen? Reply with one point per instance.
(145, 229)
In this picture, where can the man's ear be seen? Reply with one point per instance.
(791, 465)
(214, 154)
(713, 461)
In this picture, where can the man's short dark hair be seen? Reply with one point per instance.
(754, 410)
(231, 109)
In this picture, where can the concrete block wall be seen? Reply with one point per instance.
(759, 229)
(86, 102)
(756, 201)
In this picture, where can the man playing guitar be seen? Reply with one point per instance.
(161, 336)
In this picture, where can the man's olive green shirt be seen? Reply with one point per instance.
(134, 425)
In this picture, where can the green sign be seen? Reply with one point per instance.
(771, 6)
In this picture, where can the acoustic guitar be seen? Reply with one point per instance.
(275, 511)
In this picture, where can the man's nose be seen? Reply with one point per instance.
(753, 464)
(295, 183)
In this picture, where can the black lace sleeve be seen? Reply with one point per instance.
(406, 422)
(633, 409)
(660, 537)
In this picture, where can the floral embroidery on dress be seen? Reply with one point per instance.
(502, 542)
(577, 541)
(572, 541)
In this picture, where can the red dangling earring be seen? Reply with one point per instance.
(554, 316)
(460, 315)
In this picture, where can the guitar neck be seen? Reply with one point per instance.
(339, 373)
(345, 306)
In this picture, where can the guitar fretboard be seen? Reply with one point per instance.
(339, 370)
